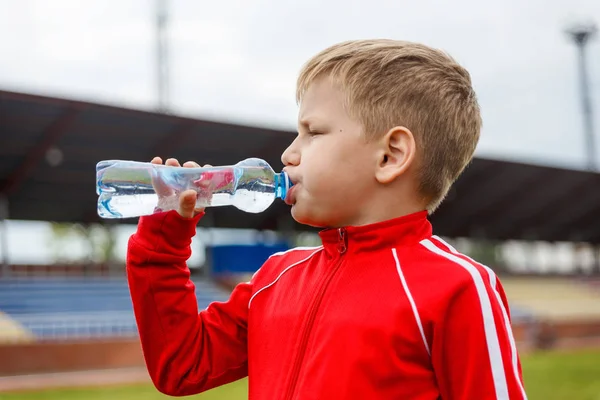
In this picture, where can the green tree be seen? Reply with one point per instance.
(100, 240)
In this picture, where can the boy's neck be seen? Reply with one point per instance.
(384, 215)
(384, 208)
(390, 201)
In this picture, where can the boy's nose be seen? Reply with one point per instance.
(290, 156)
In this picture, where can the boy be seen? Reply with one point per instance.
(383, 309)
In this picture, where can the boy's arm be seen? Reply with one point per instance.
(186, 352)
(474, 354)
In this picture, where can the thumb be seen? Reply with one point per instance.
(187, 204)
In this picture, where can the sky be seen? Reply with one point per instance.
(237, 61)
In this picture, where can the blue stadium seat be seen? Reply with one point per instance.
(56, 308)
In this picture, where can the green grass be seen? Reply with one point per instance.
(548, 376)
(233, 391)
(557, 376)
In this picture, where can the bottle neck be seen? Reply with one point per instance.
(282, 185)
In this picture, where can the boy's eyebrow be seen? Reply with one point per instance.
(306, 122)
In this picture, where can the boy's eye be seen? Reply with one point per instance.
(313, 133)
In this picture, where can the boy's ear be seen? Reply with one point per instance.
(398, 150)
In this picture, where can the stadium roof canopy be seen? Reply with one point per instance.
(493, 199)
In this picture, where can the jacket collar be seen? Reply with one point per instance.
(401, 231)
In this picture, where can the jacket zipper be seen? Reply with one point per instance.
(342, 247)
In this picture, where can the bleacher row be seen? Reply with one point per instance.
(50, 308)
(61, 308)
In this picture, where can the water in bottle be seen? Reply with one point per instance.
(130, 189)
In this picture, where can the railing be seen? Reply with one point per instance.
(58, 308)
(79, 325)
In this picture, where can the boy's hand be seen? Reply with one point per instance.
(187, 199)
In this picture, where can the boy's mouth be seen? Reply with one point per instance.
(290, 199)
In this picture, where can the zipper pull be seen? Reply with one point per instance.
(342, 241)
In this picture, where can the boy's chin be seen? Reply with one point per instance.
(305, 218)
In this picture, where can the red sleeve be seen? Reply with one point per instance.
(473, 353)
(186, 352)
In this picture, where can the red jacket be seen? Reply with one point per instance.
(385, 311)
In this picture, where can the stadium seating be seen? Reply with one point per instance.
(55, 308)
(62, 307)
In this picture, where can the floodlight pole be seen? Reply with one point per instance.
(162, 67)
(581, 34)
(4, 234)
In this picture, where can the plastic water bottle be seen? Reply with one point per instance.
(130, 189)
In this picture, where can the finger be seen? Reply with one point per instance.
(207, 166)
(172, 162)
(198, 210)
(191, 164)
(187, 203)
(160, 187)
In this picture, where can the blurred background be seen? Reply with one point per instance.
(214, 82)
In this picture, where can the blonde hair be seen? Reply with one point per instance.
(392, 83)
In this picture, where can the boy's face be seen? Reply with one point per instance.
(330, 162)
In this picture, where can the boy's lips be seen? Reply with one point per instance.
(290, 199)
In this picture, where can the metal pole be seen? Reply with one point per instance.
(162, 70)
(581, 35)
(586, 102)
(4, 234)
